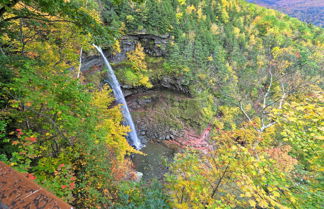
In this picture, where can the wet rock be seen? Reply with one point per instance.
(173, 132)
(138, 176)
(175, 84)
(126, 87)
(153, 45)
(128, 93)
(144, 140)
(144, 101)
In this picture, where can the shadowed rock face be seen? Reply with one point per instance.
(155, 46)
(16, 191)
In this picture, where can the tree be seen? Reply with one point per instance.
(136, 74)
(300, 127)
(78, 12)
(235, 174)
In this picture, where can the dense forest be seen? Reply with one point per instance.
(311, 11)
(252, 75)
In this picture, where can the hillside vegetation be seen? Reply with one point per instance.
(254, 75)
(310, 11)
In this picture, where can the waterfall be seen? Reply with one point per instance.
(114, 84)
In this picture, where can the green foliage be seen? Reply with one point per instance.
(239, 61)
(300, 126)
(135, 195)
(238, 173)
(136, 72)
(79, 12)
(223, 46)
(277, 167)
(58, 139)
(53, 127)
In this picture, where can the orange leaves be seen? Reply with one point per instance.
(284, 161)
(121, 170)
(15, 143)
(32, 139)
(28, 104)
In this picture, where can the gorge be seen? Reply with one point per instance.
(219, 103)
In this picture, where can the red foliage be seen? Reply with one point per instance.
(31, 176)
(19, 132)
(32, 139)
(61, 165)
(72, 185)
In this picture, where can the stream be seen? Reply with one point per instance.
(153, 164)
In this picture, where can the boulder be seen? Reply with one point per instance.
(138, 176)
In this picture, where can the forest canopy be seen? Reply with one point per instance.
(257, 74)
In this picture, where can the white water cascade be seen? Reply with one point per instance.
(114, 84)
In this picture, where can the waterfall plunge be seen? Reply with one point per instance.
(114, 84)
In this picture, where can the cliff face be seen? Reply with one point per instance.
(310, 11)
(162, 112)
(155, 46)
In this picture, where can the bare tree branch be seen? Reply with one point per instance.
(246, 115)
(264, 127)
(79, 71)
(283, 95)
(268, 91)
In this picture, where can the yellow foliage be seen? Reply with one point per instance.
(111, 119)
(116, 47)
(54, 57)
(145, 81)
(179, 15)
(190, 9)
(182, 2)
(200, 14)
(214, 29)
(139, 66)
(137, 58)
(238, 167)
(236, 31)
